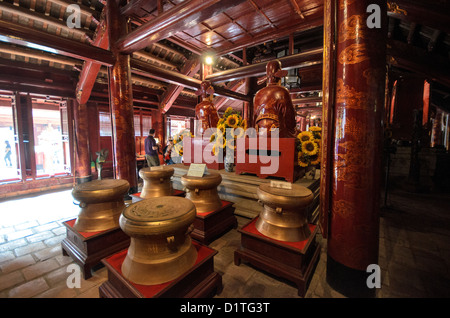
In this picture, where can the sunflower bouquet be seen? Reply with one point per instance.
(308, 147)
(178, 141)
(237, 126)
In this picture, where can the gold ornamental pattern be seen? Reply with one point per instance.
(345, 94)
(353, 54)
(352, 28)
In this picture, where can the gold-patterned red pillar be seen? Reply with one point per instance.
(82, 154)
(121, 101)
(353, 142)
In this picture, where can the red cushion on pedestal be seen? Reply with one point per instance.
(71, 223)
(148, 291)
(251, 228)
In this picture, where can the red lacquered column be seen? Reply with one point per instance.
(82, 155)
(353, 142)
(121, 101)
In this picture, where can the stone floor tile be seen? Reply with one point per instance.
(17, 263)
(48, 252)
(30, 248)
(26, 225)
(9, 246)
(59, 291)
(10, 280)
(39, 236)
(19, 234)
(40, 269)
(46, 227)
(6, 256)
(29, 289)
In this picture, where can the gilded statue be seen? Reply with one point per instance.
(205, 110)
(273, 105)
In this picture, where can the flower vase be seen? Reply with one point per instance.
(229, 164)
(310, 172)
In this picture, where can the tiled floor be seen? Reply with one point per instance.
(414, 253)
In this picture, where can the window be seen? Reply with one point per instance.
(50, 138)
(176, 126)
(137, 125)
(9, 169)
(105, 124)
(146, 124)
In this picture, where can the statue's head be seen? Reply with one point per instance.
(274, 73)
(205, 89)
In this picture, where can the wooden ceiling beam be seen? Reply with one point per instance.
(35, 16)
(24, 36)
(90, 69)
(432, 15)
(419, 61)
(270, 35)
(147, 70)
(303, 59)
(190, 68)
(181, 17)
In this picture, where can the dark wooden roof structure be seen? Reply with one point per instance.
(40, 54)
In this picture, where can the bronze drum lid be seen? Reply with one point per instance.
(161, 248)
(284, 214)
(157, 181)
(101, 203)
(202, 191)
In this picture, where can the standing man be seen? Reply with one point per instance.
(151, 149)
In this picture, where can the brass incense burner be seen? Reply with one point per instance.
(157, 181)
(101, 203)
(284, 214)
(202, 191)
(161, 249)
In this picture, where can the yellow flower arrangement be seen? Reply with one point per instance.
(231, 119)
(178, 141)
(302, 160)
(308, 146)
(305, 136)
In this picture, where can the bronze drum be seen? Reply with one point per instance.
(101, 203)
(157, 181)
(161, 248)
(284, 214)
(202, 191)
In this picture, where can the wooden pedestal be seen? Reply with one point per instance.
(87, 249)
(199, 282)
(209, 225)
(260, 155)
(294, 261)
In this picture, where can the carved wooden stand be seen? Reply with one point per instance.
(199, 282)
(294, 261)
(209, 225)
(87, 249)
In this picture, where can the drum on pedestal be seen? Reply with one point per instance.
(284, 214)
(161, 248)
(101, 203)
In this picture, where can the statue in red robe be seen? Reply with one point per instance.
(205, 110)
(273, 105)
